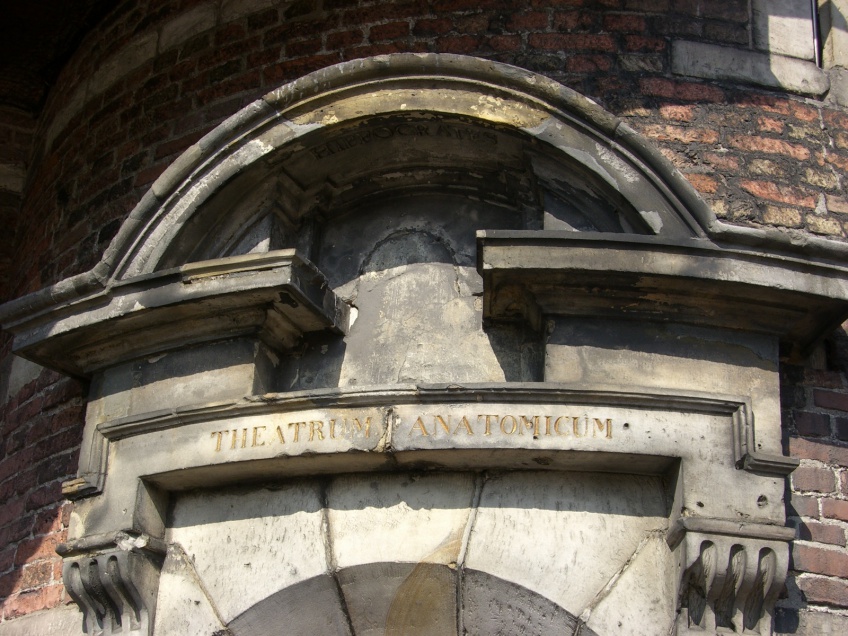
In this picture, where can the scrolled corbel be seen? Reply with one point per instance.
(730, 582)
(114, 582)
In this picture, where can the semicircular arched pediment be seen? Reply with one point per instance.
(399, 126)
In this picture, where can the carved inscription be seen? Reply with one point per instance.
(488, 424)
(419, 129)
(439, 425)
(315, 431)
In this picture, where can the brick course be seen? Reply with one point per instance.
(758, 157)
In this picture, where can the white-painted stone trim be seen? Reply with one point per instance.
(710, 61)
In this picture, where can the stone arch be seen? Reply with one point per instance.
(424, 604)
(403, 125)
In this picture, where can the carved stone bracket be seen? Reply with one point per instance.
(114, 583)
(730, 583)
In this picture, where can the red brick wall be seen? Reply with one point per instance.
(759, 157)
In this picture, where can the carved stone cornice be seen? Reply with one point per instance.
(276, 296)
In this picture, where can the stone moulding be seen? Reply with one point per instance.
(277, 295)
(528, 275)
(389, 399)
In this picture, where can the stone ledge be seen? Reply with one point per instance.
(711, 61)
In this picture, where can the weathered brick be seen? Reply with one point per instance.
(835, 509)
(785, 217)
(571, 42)
(390, 31)
(816, 560)
(770, 146)
(810, 478)
(703, 183)
(825, 225)
(812, 424)
(678, 112)
(824, 590)
(667, 132)
(821, 533)
(781, 193)
(803, 506)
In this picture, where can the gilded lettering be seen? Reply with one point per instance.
(280, 435)
(489, 419)
(358, 425)
(529, 424)
(514, 424)
(466, 424)
(603, 426)
(257, 433)
(244, 438)
(333, 429)
(576, 426)
(220, 434)
(556, 425)
(316, 427)
(419, 424)
(235, 438)
(297, 426)
(547, 425)
(438, 419)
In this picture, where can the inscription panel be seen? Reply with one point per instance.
(468, 426)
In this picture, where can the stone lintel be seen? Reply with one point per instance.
(528, 275)
(277, 296)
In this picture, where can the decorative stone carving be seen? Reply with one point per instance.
(115, 584)
(730, 582)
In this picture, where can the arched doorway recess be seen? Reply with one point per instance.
(448, 268)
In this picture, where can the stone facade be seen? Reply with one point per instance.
(427, 343)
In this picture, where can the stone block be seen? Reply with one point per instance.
(491, 605)
(60, 621)
(710, 61)
(400, 598)
(403, 518)
(578, 529)
(182, 606)
(619, 609)
(311, 607)
(784, 27)
(187, 25)
(838, 85)
(219, 371)
(834, 17)
(131, 55)
(246, 546)
(235, 9)
(811, 623)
